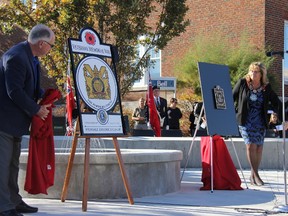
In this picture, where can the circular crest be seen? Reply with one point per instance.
(96, 83)
(102, 117)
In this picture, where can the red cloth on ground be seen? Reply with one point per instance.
(225, 174)
(41, 158)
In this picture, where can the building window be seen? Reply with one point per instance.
(154, 69)
(285, 66)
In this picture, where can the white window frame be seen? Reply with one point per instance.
(143, 82)
(156, 58)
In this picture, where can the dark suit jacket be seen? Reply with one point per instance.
(162, 109)
(18, 93)
(241, 94)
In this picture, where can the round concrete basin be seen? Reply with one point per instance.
(149, 171)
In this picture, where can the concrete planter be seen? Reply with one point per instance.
(150, 172)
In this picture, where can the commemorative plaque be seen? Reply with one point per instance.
(96, 85)
(219, 98)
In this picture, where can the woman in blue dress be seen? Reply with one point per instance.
(252, 96)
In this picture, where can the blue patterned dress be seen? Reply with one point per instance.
(253, 131)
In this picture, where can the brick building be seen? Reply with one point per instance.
(265, 21)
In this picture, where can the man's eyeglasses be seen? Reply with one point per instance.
(51, 45)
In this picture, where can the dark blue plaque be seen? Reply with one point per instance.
(217, 99)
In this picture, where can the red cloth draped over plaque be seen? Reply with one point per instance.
(225, 174)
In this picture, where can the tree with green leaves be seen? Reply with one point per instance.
(118, 22)
(218, 49)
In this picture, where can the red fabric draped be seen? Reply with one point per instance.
(41, 158)
(225, 174)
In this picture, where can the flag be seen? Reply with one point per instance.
(153, 113)
(70, 104)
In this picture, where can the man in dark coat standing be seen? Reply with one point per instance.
(161, 105)
(19, 93)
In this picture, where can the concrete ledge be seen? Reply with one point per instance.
(150, 172)
(272, 154)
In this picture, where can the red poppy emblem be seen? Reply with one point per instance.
(90, 38)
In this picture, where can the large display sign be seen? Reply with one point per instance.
(96, 85)
(218, 100)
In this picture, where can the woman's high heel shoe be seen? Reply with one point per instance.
(258, 181)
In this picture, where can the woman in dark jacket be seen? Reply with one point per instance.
(252, 95)
(174, 114)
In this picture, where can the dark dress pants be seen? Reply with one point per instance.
(10, 148)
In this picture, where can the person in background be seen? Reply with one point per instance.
(273, 123)
(140, 115)
(252, 95)
(192, 123)
(174, 114)
(197, 108)
(161, 106)
(199, 120)
(19, 91)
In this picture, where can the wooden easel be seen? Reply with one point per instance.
(86, 168)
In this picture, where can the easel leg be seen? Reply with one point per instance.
(239, 162)
(191, 145)
(122, 170)
(69, 166)
(86, 174)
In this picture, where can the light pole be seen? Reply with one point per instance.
(284, 207)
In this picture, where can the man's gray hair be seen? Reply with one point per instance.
(40, 32)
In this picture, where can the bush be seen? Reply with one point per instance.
(218, 49)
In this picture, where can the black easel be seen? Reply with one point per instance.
(219, 107)
(98, 101)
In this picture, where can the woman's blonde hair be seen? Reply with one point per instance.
(264, 80)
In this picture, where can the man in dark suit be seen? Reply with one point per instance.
(161, 105)
(19, 93)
